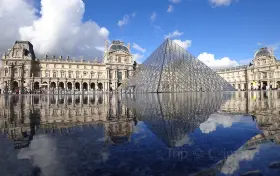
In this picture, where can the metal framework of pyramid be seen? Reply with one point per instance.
(170, 68)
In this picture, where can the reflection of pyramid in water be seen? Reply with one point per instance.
(170, 68)
(172, 117)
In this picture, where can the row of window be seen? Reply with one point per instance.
(71, 66)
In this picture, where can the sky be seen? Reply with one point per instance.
(221, 33)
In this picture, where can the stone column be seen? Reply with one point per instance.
(65, 86)
(73, 85)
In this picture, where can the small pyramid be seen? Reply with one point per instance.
(170, 68)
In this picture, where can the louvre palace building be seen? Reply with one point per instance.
(262, 74)
(22, 72)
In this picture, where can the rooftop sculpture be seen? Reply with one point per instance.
(170, 68)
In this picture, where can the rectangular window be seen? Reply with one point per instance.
(119, 75)
(54, 74)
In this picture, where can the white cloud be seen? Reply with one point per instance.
(153, 17)
(221, 2)
(170, 8)
(138, 57)
(60, 30)
(218, 119)
(11, 20)
(184, 44)
(124, 21)
(234, 161)
(175, 1)
(42, 153)
(176, 33)
(138, 48)
(186, 140)
(210, 61)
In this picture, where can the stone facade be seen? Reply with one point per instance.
(263, 73)
(21, 71)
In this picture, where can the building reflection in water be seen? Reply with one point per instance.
(22, 116)
(170, 117)
(258, 156)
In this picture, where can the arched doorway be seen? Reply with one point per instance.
(36, 86)
(92, 86)
(15, 86)
(69, 86)
(61, 85)
(53, 85)
(77, 86)
(85, 86)
(100, 86)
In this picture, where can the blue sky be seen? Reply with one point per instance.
(233, 31)
(221, 33)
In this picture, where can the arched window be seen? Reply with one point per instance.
(54, 74)
(91, 74)
(119, 60)
(77, 74)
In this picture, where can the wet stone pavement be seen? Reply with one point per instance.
(229, 133)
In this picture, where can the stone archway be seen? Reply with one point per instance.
(36, 86)
(85, 86)
(53, 85)
(69, 86)
(100, 86)
(77, 86)
(92, 86)
(61, 85)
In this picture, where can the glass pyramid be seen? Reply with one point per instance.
(170, 68)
